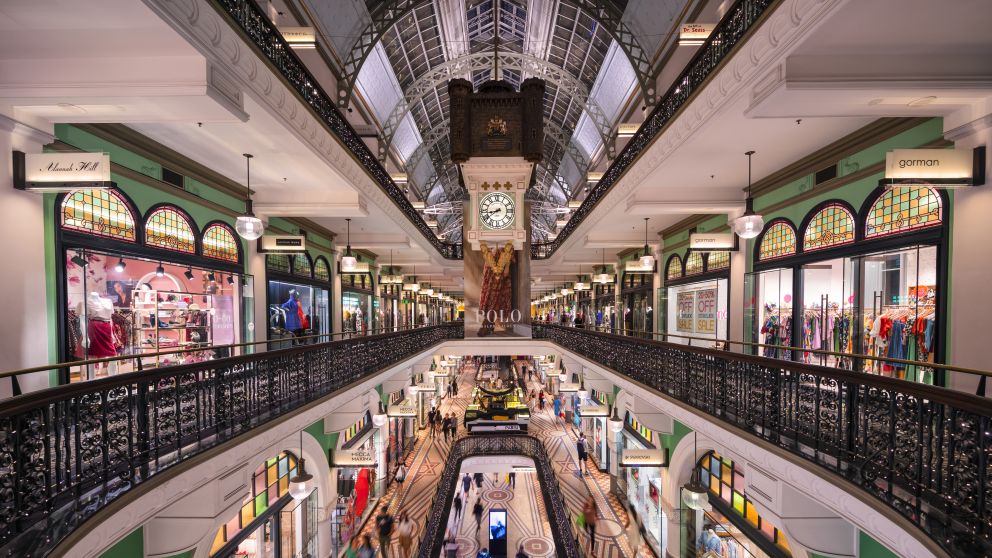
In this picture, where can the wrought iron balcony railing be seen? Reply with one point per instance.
(721, 43)
(527, 446)
(67, 451)
(923, 450)
(269, 42)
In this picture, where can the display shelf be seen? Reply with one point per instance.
(188, 327)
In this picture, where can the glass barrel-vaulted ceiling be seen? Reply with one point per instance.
(430, 35)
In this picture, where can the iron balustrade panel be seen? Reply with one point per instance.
(551, 493)
(68, 451)
(923, 450)
(721, 43)
(262, 33)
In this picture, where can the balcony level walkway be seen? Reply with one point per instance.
(426, 462)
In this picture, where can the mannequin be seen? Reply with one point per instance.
(292, 307)
(97, 333)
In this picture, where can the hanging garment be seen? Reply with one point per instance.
(292, 308)
(101, 338)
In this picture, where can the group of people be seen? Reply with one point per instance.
(385, 525)
(447, 421)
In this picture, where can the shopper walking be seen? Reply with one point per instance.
(540, 400)
(432, 419)
(384, 524)
(405, 530)
(366, 550)
(580, 449)
(458, 506)
(589, 514)
(478, 480)
(445, 426)
(477, 510)
(512, 477)
(451, 546)
(454, 425)
(557, 406)
(520, 552)
(633, 532)
(466, 485)
(400, 474)
(352, 550)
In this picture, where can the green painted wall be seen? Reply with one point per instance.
(327, 441)
(669, 441)
(131, 546)
(870, 548)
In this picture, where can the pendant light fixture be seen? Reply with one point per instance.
(298, 488)
(119, 268)
(616, 423)
(647, 260)
(159, 271)
(379, 418)
(411, 390)
(750, 224)
(348, 262)
(248, 226)
(603, 277)
(582, 393)
(695, 495)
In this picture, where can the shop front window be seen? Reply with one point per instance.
(99, 212)
(170, 229)
(355, 312)
(220, 243)
(829, 321)
(768, 309)
(697, 310)
(297, 309)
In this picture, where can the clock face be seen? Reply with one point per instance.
(496, 210)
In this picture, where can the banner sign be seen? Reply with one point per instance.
(712, 242)
(695, 33)
(940, 164)
(568, 388)
(589, 411)
(298, 36)
(60, 171)
(643, 458)
(686, 303)
(360, 457)
(706, 311)
(402, 410)
(282, 244)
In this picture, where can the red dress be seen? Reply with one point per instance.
(101, 337)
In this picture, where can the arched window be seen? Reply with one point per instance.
(778, 241)
(321, 269)
(674, 270)
(99, 212)
(901, 210)
(269, 483)
(277, 262)
(717, 261)
(693, 263)
(301, 265)
(726, 484)
(831, 226)
(166, 227)
(219, 242)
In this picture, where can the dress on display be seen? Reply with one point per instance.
(99, 331)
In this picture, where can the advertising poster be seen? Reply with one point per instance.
(497, 293)
(686, 311)
(706, 311)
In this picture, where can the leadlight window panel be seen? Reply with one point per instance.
(270, 481)
(693, 263)
(674, 270)
(831, 226)
(100, 213)
(778, 241)
(277, 262)
(717, 261)
(167, 228)
(220, 243)
(301, 266)
(900, 210)
(321, 270)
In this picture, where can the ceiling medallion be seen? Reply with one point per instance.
(496, 127)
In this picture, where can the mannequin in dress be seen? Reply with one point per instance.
(97, 333)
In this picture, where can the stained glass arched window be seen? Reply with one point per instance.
(903, 209)
(718, 261)
(167, 228)
(301, 265)
(831, 226)
(778, 241)
(99, 212)
(277, 262)
(674, 270)
(693, 263)
(220, 243)
(269, 483)
(321, 269)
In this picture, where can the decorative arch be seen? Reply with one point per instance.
(717, 261)
(693, 263)
(278, 262)
(105, 213)
(832, 224)
(171, 228)
(302, 265)
(673, 269)
(220, 242)
(901, 210)
(777, 241)
(321, 269)
(269, 483)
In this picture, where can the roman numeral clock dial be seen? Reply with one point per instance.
(496, 210)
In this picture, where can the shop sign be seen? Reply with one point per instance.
(691, 34)
(426, 388)
(591, 411)
(495, 428)
(706, 311)
(686, 303)
(712, 242)
(940, 168)
(282, 244)
(568, 388)
(402, 410)
(643, 458)
(361, 457)
(61, 171)
(627, 129)
(635, 266)
(299, 37)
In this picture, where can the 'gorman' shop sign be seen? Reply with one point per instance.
(361, 457)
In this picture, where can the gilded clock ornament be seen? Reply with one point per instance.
(496, 210)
